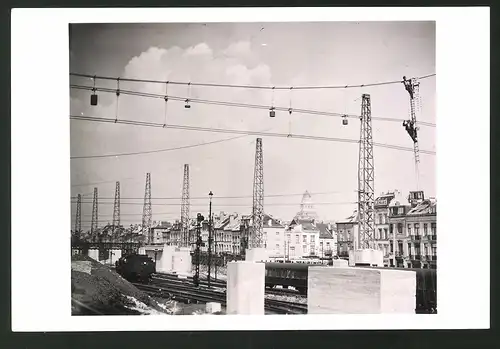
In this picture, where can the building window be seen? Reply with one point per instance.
(409, 229)
(277, 246)
(379, 234)
(401, 210)
(417, 228)
(297, 239)
(400, 228)
(385, 234)
(292, 250)
(304, 238)
(417, 250)
(425, 228)
(321, 244)
(277, 233)
(434, 250)
(433, 228)
(312, 239)
(304, 248)
(288, 237)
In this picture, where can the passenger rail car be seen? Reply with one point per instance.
(287, 275)
(135, 267)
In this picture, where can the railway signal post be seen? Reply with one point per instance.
(196, 278)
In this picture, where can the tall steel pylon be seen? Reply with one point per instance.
(258, 197)
(185, 208)
(146, 213)
(366, 178)
(412, 86)
(78, 222)
(95, 217)
(116, 209)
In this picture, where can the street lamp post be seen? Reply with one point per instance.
(209, 237)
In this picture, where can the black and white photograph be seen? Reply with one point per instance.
(227, 169)
(253, 168)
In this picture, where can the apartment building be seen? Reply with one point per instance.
(347, 235)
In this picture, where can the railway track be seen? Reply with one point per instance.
(185, 292)
(222, 284)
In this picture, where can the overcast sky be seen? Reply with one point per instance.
(272, 54)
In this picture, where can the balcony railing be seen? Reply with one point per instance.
(416, 257)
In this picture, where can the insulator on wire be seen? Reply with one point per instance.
(272, 113)
(93, 96)
(345, 122)
(187, 105)
(93, 99)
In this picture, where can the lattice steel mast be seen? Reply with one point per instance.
(116, 209)
(95, 217)
(258, 197)
(185, 208)
(146, 213)
(366, 194)
(78, 222)
(412, 86)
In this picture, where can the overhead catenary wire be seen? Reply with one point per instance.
(100, 77)
(156, 150)
(236, 105)
(227, 197)
(255, 133)
(220, 205)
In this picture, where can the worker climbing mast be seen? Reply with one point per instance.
(412, 86)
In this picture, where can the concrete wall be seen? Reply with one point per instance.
(348, 290)
(245, 288)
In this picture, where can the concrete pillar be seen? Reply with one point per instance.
(245, 288)
(165, 264)
(256, 254)
(94, 254)
(352, 261)
(360, 291)
(340, 263)
(181, 261)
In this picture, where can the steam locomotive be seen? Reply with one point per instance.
(136, 267)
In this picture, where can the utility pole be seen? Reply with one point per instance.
(147, 213)
(412, 86)
(116, 210)
(366, 179)
(258, 197)
(185, 208)
(209, 237)
(196, 278)
(95, 217)
(78, 223)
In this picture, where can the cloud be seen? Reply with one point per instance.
(201, 49)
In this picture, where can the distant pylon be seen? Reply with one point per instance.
(366, 178)
(146, 213)
(258, 197)
(116, 209)
(185, 208)
(95, 217)
(78, 223)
